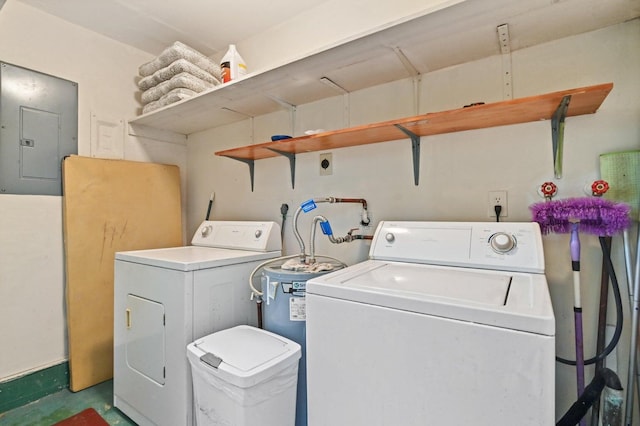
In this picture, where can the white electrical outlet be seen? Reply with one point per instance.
(497, 198)
(326, 164)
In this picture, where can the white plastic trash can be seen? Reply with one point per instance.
(244, 376)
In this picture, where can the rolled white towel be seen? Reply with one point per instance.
(172, 96)
(176, 67)
(177, 51)
(181, 81)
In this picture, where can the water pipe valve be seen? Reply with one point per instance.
(548, 190)
(599, 188)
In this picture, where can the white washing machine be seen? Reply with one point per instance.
(445, 324)
(165, 299)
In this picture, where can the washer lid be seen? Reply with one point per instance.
(248, 355)
(511, 300)
(462, 285)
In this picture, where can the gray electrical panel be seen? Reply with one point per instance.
(38, 128)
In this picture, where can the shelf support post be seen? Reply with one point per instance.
(415, 76)
(292, 164)
(557, 134)
(415, 151)
(505, 48)
(345, 98)
(249, 163)
(289, 107)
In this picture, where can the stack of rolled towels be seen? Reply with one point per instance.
(179, 72)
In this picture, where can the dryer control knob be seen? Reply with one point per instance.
(206, 230)
(502, 242)
(390, 237)
(258, 233)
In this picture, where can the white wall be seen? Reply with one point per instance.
(32, 317)
(329, 23)
(457, 169)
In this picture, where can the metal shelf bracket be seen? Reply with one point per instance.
(557, 134)
(505, 47)
(249, 163)
(292, 164)
(415, 150)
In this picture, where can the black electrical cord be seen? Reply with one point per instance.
(618, 300)
(498, 209)
(284, 208)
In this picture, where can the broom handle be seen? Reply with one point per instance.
(577, 300)
(577, 316)
(574, 246)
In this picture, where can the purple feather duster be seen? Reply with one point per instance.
(596, 216)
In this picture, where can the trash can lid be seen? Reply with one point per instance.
(248, 355)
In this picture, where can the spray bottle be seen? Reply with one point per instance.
(232, 64)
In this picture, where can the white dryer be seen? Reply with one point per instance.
(165, 299)
(445, 324)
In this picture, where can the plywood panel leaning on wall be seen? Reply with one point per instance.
(109, 206)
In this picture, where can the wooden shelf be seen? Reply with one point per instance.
(585, 100)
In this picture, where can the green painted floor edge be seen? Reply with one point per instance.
(30, 387)
(60, 405)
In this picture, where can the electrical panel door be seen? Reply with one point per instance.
(38, 128)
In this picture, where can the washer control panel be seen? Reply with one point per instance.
(509, 246)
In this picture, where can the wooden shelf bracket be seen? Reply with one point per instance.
(415, 151)
(292, 164)
(557, 134)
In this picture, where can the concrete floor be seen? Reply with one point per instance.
(60, 405)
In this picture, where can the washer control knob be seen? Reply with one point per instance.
(501, 242)
(390, 237)
(258, 233)
(206, 230)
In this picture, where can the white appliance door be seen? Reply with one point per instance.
(145, 337)
(370, 365)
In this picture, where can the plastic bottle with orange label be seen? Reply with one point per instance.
(232, 64)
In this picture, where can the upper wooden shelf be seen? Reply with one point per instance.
(585, 100)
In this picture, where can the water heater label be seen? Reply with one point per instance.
(297, 309)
